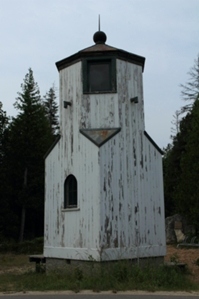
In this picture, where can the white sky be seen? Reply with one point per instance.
(38, 33)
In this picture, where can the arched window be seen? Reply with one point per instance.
(70, 192)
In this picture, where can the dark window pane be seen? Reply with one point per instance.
(70, 192)
(99, 76)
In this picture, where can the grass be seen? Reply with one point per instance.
(119, 276)
(8, 261)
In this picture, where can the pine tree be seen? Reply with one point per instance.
(4, 204)
(4, 120)
(187, 191)
(51, 108)
(30, 137)
(180, 150)
(172, 164)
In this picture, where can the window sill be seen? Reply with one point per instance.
(70, 209)
(100, 92)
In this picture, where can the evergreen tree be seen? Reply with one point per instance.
(187, 191)
(4, 205)
(172, 164)
(51, 109)
(3, 126)
(177, 174)
(30, 137)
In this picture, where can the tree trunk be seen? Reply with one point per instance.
(23, 210)
(23, 218)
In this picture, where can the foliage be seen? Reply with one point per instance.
(181, 159)
(190, 90)
(34, 246)
(174, 258)
(197, 262)
(181, 166)
(187, 191)
(28, 138)
(172, 165)
(51, 109)
(176, 123)
(4, 207)
(117, 276)
(4, 120)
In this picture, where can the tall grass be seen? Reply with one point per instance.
(118, 276)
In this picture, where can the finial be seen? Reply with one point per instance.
(99, 37)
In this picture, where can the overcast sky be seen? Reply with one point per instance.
(38, 33)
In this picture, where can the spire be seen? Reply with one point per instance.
(99, 37)
(99, 23)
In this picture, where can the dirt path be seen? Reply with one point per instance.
(188, 256)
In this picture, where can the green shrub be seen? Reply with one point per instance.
(27, 247)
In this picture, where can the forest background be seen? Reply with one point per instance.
(25, 139)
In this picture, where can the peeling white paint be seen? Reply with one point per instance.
(120, 210)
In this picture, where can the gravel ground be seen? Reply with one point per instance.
(189, 256)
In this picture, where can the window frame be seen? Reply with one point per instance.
(90, 60)
(68, 200)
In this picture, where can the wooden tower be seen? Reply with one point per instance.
(103, 182)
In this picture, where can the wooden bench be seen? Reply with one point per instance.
(189, 242)
(38, 260)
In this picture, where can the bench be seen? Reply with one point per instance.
(189, 242)
(38, 260)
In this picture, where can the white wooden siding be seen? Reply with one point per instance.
(132, 204)
(120, 191)
(72, 234)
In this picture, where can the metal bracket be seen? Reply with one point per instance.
(134, 100)
(66, 104)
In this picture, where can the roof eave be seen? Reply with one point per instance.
(120, 54)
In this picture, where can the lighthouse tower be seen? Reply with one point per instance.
(103, 176)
